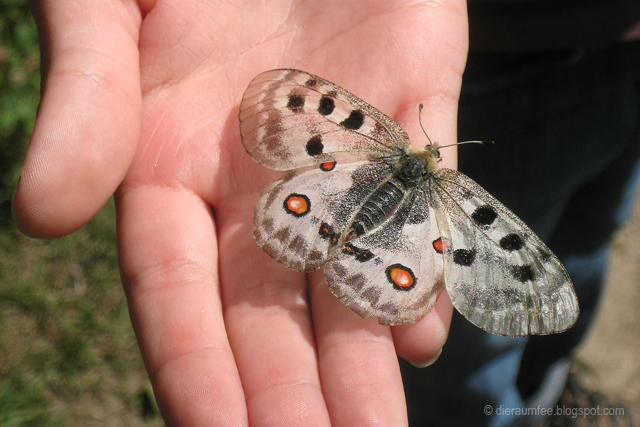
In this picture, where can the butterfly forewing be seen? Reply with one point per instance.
(290, 119)
(500, 275)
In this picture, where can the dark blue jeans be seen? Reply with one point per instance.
(566, 160)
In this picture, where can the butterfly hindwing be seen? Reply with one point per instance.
(499, 274)
(298, 217)
(290, 119)
(394, 273)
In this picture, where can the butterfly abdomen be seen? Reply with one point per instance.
(386, 198)
(377, 208)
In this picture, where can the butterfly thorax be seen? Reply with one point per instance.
(409, 172)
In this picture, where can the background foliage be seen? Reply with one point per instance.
(68, 355)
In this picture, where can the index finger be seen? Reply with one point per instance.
(88, 123)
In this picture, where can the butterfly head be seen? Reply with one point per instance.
(430, 155)
(432, 151)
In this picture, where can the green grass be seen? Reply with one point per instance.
(68, 355)
(19, 93)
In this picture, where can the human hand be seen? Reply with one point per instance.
(143, 97)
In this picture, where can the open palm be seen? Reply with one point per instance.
(143, 98)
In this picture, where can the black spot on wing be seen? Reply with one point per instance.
(484, 215)
(354, 121)
(523, 273)
(364, 255)
(296, 103)
(359, 254)
(511, 242)
(311, 82)
(464, 257)
(326, 106)
(315, 145)
(326, 232)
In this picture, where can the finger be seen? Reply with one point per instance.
(89, 118)
(168, 257)
(358, 364)
(421, 343)
(440, 80)
(269, 325)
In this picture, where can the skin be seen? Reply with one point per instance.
(141, 99)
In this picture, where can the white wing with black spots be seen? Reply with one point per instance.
(290, 119)
(499, 274)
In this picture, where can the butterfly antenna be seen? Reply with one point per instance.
(468, 142)
(420, 107)
(420, 120)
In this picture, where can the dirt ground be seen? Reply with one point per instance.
(609, 359)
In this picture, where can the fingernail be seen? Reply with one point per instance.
(429, 362)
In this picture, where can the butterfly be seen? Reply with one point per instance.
(390, 228)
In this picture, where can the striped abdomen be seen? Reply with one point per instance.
(381, 204)
(377, 208)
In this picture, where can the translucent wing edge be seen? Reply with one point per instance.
(565, 307)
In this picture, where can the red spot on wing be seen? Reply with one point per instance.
(328, 166)
(401, 277)
(441, 245)
(297, 204)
